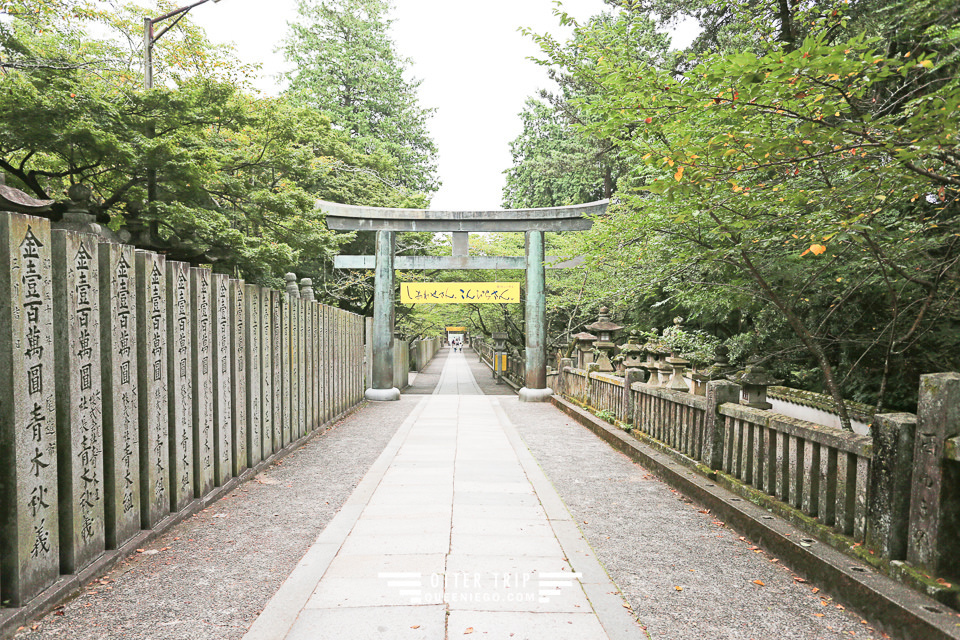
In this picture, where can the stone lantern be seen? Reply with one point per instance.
(655, 360)
(584, 342)
(632, 353)
(753, 384)
(717, 371)
(605, 329)
(676, 364)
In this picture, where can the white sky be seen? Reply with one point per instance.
(470, 56)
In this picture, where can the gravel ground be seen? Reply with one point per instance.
(685, 574)
(209, 577)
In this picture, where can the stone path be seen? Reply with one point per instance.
(454, 530)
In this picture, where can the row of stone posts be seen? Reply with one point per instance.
(133, 386)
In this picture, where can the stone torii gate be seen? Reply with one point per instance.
(387, 222)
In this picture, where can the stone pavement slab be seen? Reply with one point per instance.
(490, 540)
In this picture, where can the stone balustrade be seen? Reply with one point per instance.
(895, 492)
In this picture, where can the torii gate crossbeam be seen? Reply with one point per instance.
(387, 222)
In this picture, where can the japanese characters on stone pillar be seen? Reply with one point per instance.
(76, 313)
(266, 373)
(252, 351)
(934, 540)
(286, 351)
(201, 322)
(152, 382)
(180, 382)
(121, 418)
(308, 349)
(295, 400)
(277, 303)
(29, 551)
(301, 380)
(341, 359)
(222, 414)
(238, 376)
(322, 363)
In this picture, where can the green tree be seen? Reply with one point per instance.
(237, 175)
(804, 184)
(553, 164)
(345, 65)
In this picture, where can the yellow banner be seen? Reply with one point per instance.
(459, 292)
(456, 329)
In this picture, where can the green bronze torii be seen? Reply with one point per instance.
(387, 222)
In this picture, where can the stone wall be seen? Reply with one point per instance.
(135, 388)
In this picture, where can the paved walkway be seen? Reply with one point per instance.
(454, 530)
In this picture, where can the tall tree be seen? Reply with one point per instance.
(346, 65)
(804, 184)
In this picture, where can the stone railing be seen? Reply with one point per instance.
(895, 493)
(135, 390)
(514, 372)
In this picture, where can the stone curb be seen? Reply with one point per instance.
(895, 608)
(68, 586)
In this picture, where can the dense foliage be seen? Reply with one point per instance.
(345, 65)
(792, 183)
(237, 174)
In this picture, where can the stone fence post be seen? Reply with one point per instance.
(934, 539)
(561, 379)
(718, 392)
(888, 509)
(629, 377)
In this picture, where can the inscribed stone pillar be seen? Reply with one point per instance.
(383, 314)
(180, 384)
(252, 352)
(239, 431)
(29, 550)
(324, 364)
(934, 543)
(266, 373)
(286, 393)
(535, 326)
(152, 382)
(295, 400)
(302, 367)
(888, 509)
(308, 350)
(337, 360)
(276, 300)
(202, 363)
(121, 434)
(341, 360)
(222, 413)
(76, 314)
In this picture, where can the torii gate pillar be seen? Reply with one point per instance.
(535, 387)
(384, 386)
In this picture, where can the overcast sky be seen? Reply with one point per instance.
(470, 57)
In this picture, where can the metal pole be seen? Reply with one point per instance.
(535, 374)
(383, 312)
